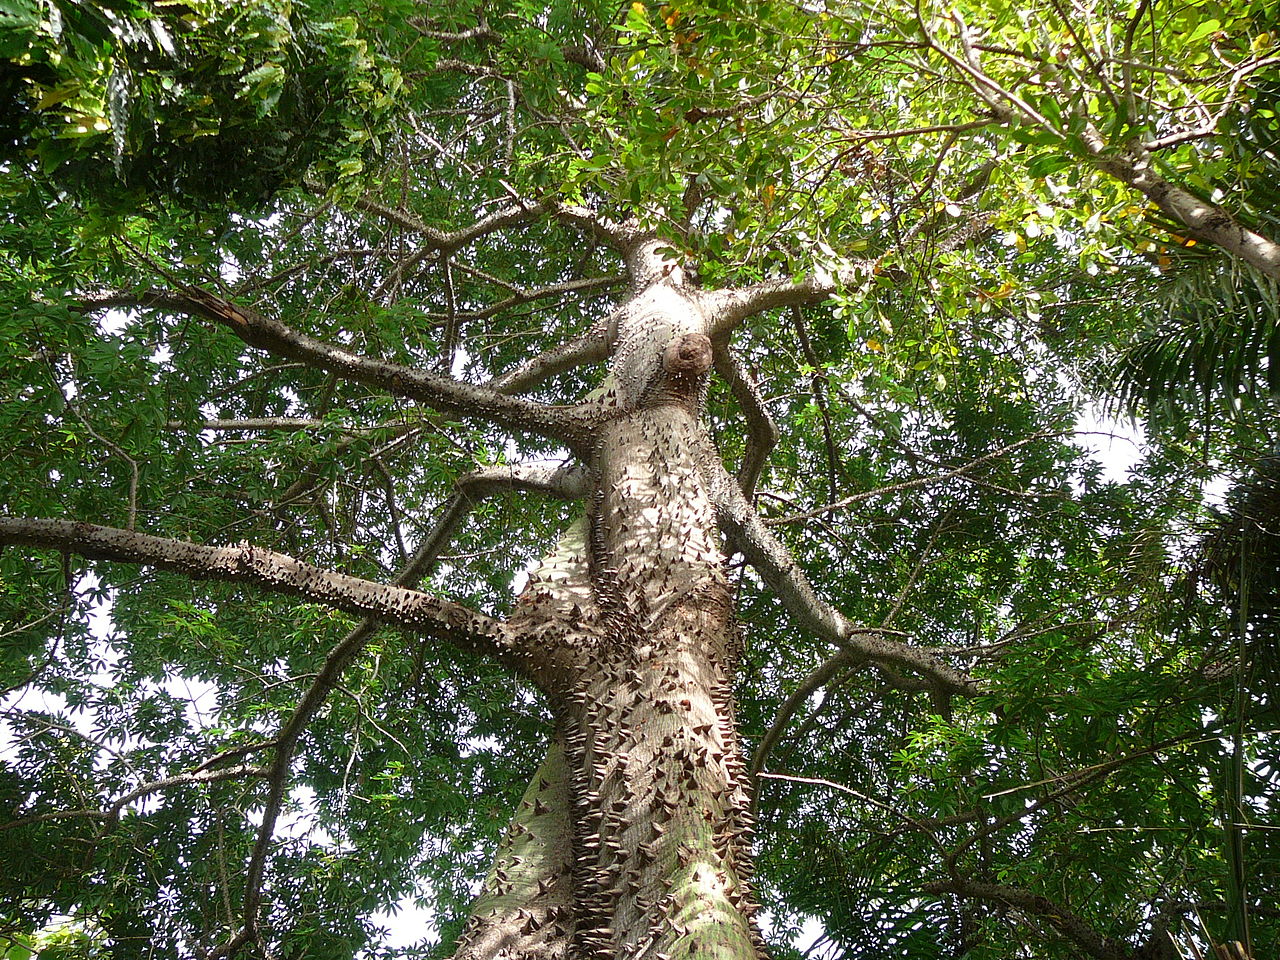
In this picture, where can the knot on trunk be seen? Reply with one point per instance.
(688, 355)
(685, 362)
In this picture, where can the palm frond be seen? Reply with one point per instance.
(1217, 345)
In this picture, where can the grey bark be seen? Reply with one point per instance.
(244, 563)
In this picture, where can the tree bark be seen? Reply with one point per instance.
(636, 649)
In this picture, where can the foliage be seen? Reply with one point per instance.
(200, 100)
(930, 477)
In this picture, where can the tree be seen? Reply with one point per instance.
(277, 425)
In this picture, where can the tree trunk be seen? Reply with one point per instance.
(633, 839)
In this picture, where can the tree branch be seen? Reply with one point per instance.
(959, 471)
(570, 425)
(817, 379)
(111, 814)
(447, 241)
(819, 678)
(481, 31)
(243, 563)
(779, 570)
(1202, 219)
(762, 431)
(1069, 924)
(591, 347)
(924, 826)
(394, 428)
(622, 236)
(526, 296)
(567, 481)
(728, 308)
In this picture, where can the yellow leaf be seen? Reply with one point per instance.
(874, 344)
(999, 293)
(63, 91)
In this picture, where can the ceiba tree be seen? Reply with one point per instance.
(635, 835)
(638, 163)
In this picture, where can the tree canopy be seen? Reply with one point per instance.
(322, 278)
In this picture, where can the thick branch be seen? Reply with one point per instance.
(779, 570)
(570, 425)
(1203, 220)
(621, 236)
(566, 481)
(273, 571)
(730, 307)
(762, 431)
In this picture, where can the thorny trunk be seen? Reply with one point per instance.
(633, 838)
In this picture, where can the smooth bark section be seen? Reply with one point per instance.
(1203, 220)
(567, 481)
(728, 308)
(569, 425)
(270, 570)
